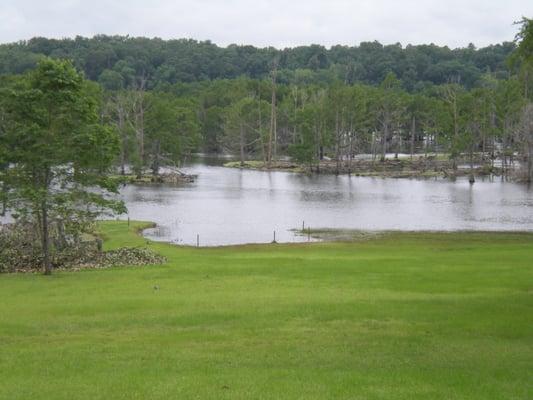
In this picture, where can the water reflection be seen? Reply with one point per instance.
(230, 206)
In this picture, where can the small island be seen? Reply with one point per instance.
(435, 166)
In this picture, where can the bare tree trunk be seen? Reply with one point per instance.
(525, 135)
(493, 153)
(156, 163)
(262, 143)
(46, 240)
(530, 163)
(351, 150)
(471, 178)
(483, 146)
(318, 148)
(295, 93)
(47, 264)
(337, 144)
(123, 147)
(139, 109)
(275, 155)
(397, 143)
(273, 136)
(384, 138)
(526, 84)
(4, 199)
(141, 136)
(413, 127)
(426, 146)
(455, 134)
(451, 98)
(374, 147)
(504, 152)
(241, 143)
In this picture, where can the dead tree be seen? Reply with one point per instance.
(273, 135)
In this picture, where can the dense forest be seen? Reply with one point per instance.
(168, 99)
(115, 61)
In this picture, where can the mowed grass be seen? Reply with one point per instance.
(401, 316)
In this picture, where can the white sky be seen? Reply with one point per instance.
(279, 23)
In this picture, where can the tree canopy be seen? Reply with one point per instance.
(115, 61)
(56, 151)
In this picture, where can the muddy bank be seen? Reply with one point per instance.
(170, 178)
(337, 235)
(287, 166)
(391, 168)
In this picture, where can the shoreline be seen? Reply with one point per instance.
(329, 235)
(391, 168)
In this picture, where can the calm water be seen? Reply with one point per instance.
(230, 206)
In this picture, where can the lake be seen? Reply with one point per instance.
(231, 206)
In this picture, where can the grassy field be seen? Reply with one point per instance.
(401, 316)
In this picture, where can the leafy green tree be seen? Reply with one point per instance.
(305, 149)
(172, 130)
(246, 127)
(522, 58)
(213, 120)
(58, 150)
(388, 109)
(508, 106)
(189, 128)
(452, 94)
(161, 130)
(525, 137)
(4, 151)
(118, 112)
(416, 112)
(111, 80)
(312, 126)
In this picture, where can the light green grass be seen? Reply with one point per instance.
(402, 316)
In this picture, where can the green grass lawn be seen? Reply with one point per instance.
(401, 316)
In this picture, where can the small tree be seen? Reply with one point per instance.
(58, 151)
(388, 108)
(172, 130)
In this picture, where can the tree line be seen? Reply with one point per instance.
(266, 118)
(116, 61)
(252, 109)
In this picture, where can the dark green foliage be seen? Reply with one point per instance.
(172, 130)
(167, 99)
(114, 60)
(57, 150)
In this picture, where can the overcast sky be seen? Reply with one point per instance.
(280, 23)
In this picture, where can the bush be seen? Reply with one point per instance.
(19, 248)
(20, 251)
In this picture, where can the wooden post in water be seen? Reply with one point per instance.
(197, 240)
(128, 220)
(303, 226)
(308, 234)
(274, 241)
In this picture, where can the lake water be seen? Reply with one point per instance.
(231, 206)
